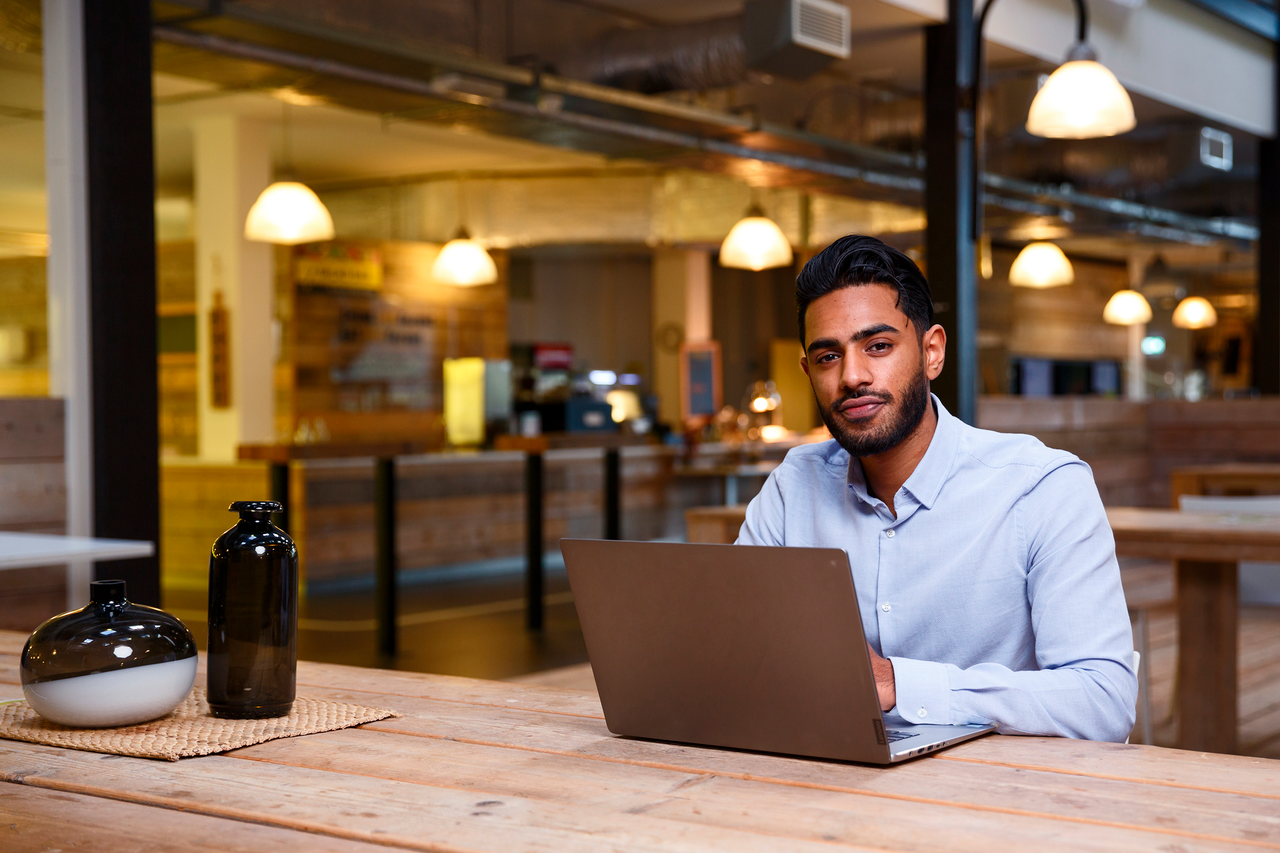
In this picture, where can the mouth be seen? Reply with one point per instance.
(860, 408)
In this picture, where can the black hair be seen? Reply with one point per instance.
(855, 260)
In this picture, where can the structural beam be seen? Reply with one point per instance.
(949, 202)
(1266, 336)
(122, 284)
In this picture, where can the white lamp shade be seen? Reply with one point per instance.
(755, 243)
(1127, 308)
(288, 213)
(464, 262)
(1081, 100)
(1041, 265)
(1194, 312)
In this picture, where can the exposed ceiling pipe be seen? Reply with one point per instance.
(705, 55)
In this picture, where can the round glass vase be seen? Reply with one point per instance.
(110, 663)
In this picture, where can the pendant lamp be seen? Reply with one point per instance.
(1041, 265)
(755, 243)
(1127, 308)
(288, 212)
(1194, 312)
(1082, 99)
(463, 262)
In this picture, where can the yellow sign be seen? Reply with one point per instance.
(464, 400)
(340, 266)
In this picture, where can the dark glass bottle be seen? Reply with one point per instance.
(253, 617)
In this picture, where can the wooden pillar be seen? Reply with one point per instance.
(1208, 608)
(950, 184)
(681, 312)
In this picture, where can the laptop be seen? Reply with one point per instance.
(732, 646)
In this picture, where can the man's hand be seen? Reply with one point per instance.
(883, 670)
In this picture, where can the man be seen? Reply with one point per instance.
(985, 568)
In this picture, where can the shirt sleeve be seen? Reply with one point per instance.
(764, 522)
(1085, 686)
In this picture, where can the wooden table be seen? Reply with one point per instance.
(1206, 549)
(730, 474)
(1230, 478)
(29, 550)
(480, 765)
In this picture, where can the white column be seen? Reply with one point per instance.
(681, 312)
(232, 167)
(66, 179)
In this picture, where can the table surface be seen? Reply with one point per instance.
(481, 765)
(745, 469)
(1174, 534)
(27, 550)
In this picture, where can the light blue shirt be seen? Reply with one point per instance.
(995, 592)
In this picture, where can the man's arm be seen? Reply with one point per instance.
(1085, 686)
(764, 522)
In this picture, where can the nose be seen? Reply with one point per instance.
(856, 373)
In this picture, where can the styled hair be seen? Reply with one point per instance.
(856, 260)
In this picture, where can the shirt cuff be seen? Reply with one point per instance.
(924, 691)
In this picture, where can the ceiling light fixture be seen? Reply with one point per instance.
(755, 243)
(1127, 308)
(1194, 312)
(1041, 265)
(463, 262)
(1082, 99)
(288, 212)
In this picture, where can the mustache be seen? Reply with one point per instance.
(882, 396)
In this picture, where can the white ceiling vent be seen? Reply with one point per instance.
(821, 25)
(794, 38)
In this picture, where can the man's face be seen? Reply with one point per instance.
(869, 368)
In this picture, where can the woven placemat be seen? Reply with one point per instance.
(187, 731)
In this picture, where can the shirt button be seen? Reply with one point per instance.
(922, 713)
(885, 607)
(889, 533)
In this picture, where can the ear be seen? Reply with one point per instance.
(804, 364)
(934, 346)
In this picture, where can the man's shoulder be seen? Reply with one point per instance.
(1012, 450)
(814, 458)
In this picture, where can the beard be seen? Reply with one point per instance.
(873, 438)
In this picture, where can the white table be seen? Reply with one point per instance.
(29, 550)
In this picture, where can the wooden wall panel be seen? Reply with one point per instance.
(194, 500)
(32, 499)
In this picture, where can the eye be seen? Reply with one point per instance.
(826, 358)
(880, 346)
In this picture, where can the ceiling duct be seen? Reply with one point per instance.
(705, 55)
(790, 38)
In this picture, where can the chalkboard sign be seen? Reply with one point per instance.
(700, 392)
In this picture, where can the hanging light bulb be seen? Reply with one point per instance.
(1194, 312)
(1127, 308)
(289, 213)
(755, 243)
(1041, 265)
(464, 263)
(1082, 99)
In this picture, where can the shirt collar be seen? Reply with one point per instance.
(931, 471)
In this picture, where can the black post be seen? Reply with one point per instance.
(533, 540)
(950, 184)
(122, 285)
(1266, 334)
(280, 493)
(384, 497)
(612, 494)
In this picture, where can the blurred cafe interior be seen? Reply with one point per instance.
(454, 280)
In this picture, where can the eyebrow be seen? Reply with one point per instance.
(860, 335)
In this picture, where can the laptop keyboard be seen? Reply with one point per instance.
(894, 735)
